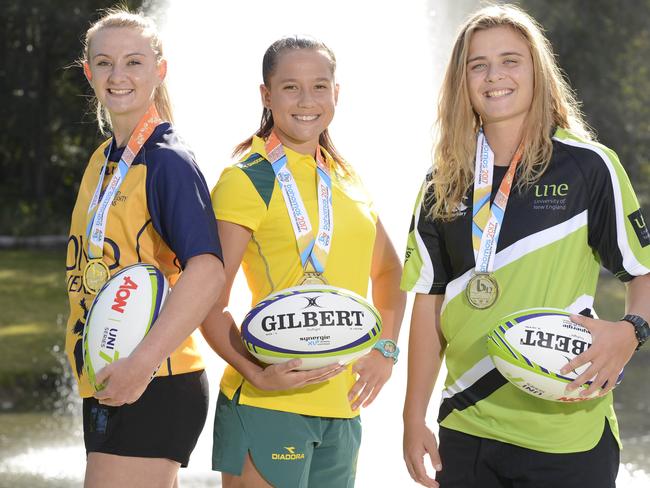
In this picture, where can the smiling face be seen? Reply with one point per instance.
(500, 76)
(124, 74)
(301, 95)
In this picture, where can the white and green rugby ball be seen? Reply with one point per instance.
(319, 324)
(122, 313)
(530, 347)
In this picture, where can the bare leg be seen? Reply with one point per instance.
(109, 471)
(250, 477)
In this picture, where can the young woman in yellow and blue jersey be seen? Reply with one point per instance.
(276, 426)
(524, 199)
(138, 433)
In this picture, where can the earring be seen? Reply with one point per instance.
(87, 72)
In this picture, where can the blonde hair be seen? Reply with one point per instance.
(121, 17)
(553, 105)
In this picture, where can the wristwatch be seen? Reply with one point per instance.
(641, 328)
(388, 348)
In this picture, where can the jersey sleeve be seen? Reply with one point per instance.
(179, 205)
(425, 270)
(242, 197)
(617, 228)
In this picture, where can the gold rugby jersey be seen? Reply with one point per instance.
(161, 215)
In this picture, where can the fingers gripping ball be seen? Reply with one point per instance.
(122, 313)
(319, 324)
(530, 347)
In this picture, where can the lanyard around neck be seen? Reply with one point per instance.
(100, 204)
(487, 219)
(313, 248)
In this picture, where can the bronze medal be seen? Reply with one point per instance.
(95, 274)
(482, 290)
(310, 278)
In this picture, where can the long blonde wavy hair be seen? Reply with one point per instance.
(122, 17)
(553, 105)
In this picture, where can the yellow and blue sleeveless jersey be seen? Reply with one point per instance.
(161, 215)
(582, 213)
(247, 194)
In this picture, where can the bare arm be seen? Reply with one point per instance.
(385, 273)
(374, 369)
(636, 298)
(188, 303)
(221, 332)
(613, 344)
(426, 350)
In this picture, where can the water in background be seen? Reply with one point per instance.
(45, 450)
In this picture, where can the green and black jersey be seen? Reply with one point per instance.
(582, 213)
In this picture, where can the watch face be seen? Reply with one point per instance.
(389, 347)
(641, 328)
(644, 333)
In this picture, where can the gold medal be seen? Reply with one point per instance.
(310, 278)
(95, 274)
(482, 290)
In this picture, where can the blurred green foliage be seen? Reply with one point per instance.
(604, 48)
(49, 128)
(47, 122)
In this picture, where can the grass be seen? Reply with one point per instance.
(32, 323)
(34, 312)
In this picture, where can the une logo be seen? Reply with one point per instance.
(560, 190)
(123, 293)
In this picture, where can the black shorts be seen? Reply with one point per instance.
(474, 462)
(165, 422)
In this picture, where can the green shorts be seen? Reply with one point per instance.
(289, 450)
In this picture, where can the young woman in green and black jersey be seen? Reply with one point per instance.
(508, 124)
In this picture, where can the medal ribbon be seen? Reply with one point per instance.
(100, 203)
(487, 219)
(313, 249)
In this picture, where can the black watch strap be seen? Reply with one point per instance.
(641, 328)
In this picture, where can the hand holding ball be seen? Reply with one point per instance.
(122, 313)
(318, 324)
(530, 347)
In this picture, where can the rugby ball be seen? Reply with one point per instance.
(123, 311)
(530, 347)
(319, 324)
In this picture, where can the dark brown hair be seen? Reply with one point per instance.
(269, 64)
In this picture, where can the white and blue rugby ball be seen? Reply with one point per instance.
(319, 324)
(530, 347)
(122, 313)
